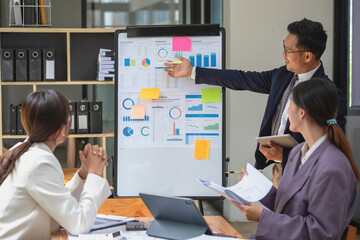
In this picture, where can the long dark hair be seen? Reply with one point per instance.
(42, 114)
(319, 98)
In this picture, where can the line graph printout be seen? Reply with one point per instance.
(170, 121)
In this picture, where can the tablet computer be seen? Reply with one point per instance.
(285, 141)
(175, 218)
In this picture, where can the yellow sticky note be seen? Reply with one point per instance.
(211, 95)
(137, 112)
(202, 149)
(149, 93)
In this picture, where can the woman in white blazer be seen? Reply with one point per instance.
(34, 201)
(316, 198)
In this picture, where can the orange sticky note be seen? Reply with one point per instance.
(202, 149)
(150, 93)
(181, 44)
(137, 112)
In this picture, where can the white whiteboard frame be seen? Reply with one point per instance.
(172, 176)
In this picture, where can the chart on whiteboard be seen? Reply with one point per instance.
(141, 62)
(179, 116)
(173, 120)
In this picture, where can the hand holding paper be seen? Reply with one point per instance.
(253, 187)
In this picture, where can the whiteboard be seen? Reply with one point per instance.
(156, 154)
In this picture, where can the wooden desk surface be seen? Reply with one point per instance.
(69, 173)
(135, 207)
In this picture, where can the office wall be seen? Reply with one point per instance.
(255, 30)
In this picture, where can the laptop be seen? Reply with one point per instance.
(175, 218)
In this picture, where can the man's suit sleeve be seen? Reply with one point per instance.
(259, 82)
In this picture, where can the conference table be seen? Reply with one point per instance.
(135, 208)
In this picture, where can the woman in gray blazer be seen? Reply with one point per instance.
(316, 198)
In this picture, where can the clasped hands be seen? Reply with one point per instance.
(93, 160)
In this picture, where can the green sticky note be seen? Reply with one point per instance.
(211, 95)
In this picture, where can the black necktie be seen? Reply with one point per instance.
(284, 99)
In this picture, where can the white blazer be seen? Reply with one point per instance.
(34, 200)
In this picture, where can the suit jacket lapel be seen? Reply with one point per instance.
(319, 72)
(293, 181)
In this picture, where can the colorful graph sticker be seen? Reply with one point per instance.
(211, 95)
(128, 103)
(175, 112)
(128, 131)
(145, 131)
(162, 52)
(137, 112)
(145, 62)
(202, 149)
(150, 93)
(181, 44)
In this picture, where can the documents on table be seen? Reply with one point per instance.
(252, 188)
(105, 227)
(103, 236)
(106, 221)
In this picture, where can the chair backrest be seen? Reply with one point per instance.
(349, 234)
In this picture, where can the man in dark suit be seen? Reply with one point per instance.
(303, 48)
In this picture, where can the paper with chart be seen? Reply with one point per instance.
(173, 120)
(179, 116)
(141, 62)
(252, 188)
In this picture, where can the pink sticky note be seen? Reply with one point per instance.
(137, 112)
(181, 44)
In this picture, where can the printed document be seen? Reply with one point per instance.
(252, 187)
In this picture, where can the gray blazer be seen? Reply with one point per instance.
(315, 202)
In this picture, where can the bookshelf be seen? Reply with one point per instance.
(75, 69)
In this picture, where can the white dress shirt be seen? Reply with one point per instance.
(302, 78)
(34, 200)
(306, 151)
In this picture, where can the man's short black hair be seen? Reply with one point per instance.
(311, 36)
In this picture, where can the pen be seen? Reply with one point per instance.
(239, 172)
(174, 62)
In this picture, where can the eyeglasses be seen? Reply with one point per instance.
(287, 51)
